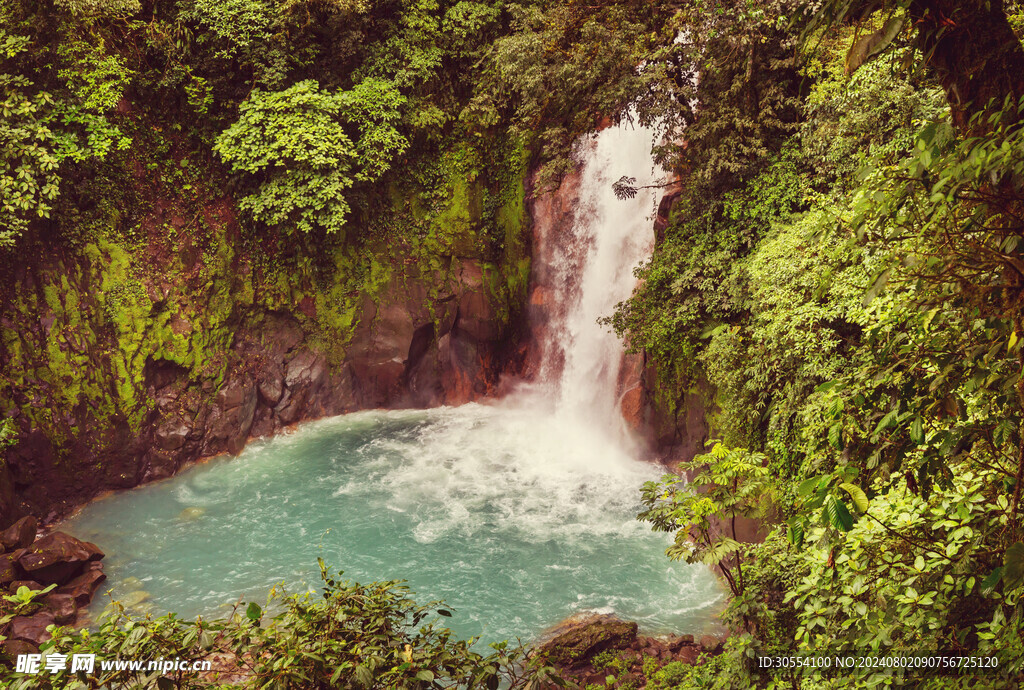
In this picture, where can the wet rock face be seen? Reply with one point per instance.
(407, 348)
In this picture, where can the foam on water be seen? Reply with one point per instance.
(513, 521)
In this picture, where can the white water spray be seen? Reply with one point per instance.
(588, 269)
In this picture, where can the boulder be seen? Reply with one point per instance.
(711, 644)
(270, 387)
(57, 558)
(172, 433)
(19, 535)
(229, 428)
(573, 643)
(83, 587)
(688, 654)
(677, 642)
(62, 606)
(31, 628)
(9, 568)
(191, 513)
(16, 648)
(133, 599)
(18, 584)
(305, 368)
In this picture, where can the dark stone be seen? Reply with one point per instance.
(711, 644)
(291, 407)
(688, 654)
(16, 648)
(229, 429)
(31, 628)
(83, 587)
(62, 606)
(676, 643)
(231, 394)
(9, 568)
(271, 388)
(159, 464)
(18, 584)
(172, 434)
(57, 558)
(306, 367)
(20, 534)
(575, 642)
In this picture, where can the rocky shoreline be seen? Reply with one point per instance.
(589, 648)
(66, 570)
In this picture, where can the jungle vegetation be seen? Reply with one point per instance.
(844, 268)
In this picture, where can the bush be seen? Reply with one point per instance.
(305, 147)
(351, 636)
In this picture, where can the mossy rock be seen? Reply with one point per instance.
(575, 642)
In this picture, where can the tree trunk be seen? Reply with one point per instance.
(974, 52)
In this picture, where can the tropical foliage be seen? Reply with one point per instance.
(853, 301)
(843, 267)
(346, 636)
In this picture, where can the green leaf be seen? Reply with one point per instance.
(888, 420)
(827, 386)
(807, 486)
(857, 495)
(835, 435)
(796, 532)
(1013, 566)
(989, 583)
(917, 431)
(877, 285)
(426, 676)
(363, 676)
(835, 513)
(253, 612)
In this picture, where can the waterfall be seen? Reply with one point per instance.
(584, 259)
(517, 512)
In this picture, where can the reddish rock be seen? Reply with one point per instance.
(270, 388)
(31, 628)
(57, 558)
(83, 587)
(18, 584)
(19, 535)
(229, 426)
(688, 654)
(9, 568)
(677, 642)
(15, 648)
(62, 606)
(172, 434)
(711, 644)
(575, 642)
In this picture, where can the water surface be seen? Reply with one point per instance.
(512, 514)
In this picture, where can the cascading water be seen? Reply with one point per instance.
(518, 513)
(589, 270)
